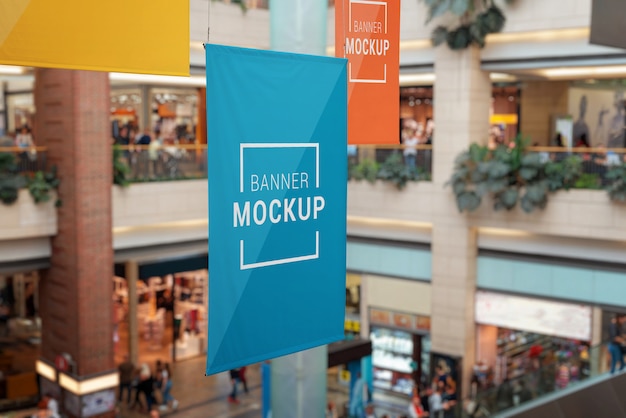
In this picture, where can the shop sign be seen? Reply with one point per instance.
(539, 316)
(380, 317)
(403, 321)
(277, 203)
(399, 320)
(367, 33)
(87, 35)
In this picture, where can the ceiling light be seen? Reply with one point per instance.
(11, 69)
(584, 71)
(502, 77)
(420, 78)
(193, 81)
(539, 36)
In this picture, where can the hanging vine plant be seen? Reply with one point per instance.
(477, 19)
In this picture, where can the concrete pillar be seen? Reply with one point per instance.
(76, 291)
(597, 354)
(298, 26)
(298, 388)
(299, 384)
(462, 96)
(132, 275)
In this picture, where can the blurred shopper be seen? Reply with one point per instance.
(234, 379)
(143, 140)
(410, 144)
(127, 371)
(525, 394)
(369, 412)
(145, 386)
(415, 408)
(435, 403)
(48, 407)
(166, 388)
(331, 410)
(24, 141)
(154, 153)
(615, 343)
(504, 395)
(242, 377)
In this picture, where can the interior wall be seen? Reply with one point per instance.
(398, 295)
(539, 101)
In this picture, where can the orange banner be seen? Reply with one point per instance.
(367, 33)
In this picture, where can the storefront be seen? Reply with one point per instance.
(20, 339)
(171, 110)
(400, 350)
(352, 324)
(171, 316)
(517, 335)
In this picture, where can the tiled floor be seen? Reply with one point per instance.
(207, 397)
(200, 396)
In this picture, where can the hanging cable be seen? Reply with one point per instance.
(208, 23)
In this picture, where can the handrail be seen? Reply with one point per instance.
(134, 147)
(577, 150)
(131, 147)
(24, 149)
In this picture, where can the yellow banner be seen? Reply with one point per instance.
(503, 118)
(138, 36)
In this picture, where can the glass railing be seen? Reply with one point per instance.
(382, 162)
(595, 163)
(16, 160)
(144, 163)
(544, 375)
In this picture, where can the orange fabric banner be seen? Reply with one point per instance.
(367, 33)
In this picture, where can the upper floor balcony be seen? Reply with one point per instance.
(162, 195)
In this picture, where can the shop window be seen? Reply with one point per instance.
(20, 338)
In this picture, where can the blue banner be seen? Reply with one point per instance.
(277, 141)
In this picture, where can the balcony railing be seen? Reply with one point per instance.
(382, 161)
(142, 163)
(595, 162)
(22, 160)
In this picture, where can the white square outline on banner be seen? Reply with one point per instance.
(242, 147)
(366, 80)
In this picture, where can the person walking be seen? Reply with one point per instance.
(127, 370)
(615, 343)
(242, 378)
(166, 387)
(234, 378)
(145, 386)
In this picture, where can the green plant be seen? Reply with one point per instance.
(10, 180)
(588, 181)
(510, 176)
(120, 169)
(395, 171)
(476, 20)
(366, 169)
(616, 187)
(41, 184)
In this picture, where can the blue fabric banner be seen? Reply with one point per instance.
(277, 141)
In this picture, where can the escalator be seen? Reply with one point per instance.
(551, 391)
(598, 397)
